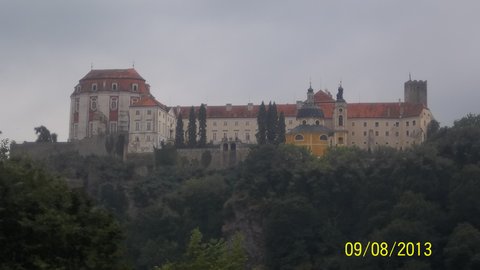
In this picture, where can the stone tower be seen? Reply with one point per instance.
(416, 92)
(340, 119)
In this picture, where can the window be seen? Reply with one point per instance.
(113, 103)
(113, 127)
(236, 123)
(353, 133)
(148, 138)
(290, 122)
(397, 124)
(376, 124)
(94, 87)
(364, 124)
(137, 139)
(225, 123)
(298, 137)
(387, 133)
(247, 137)
(134, 87)
(137, 112)
(340, 140)
(323, 137)
(317, 122)
(396, 134)
(365, 133)
(90, 128)
(133, 100)
(137, 126)
(386, 124)
(353, 124)
(149, 112)
(247, 123)
(214, 123)
(214, 136)
(340, 121)
(236, 135)
(77, 104)
(114, 86)
(340, 110)
(224, 135)
(304, 122)
(376, 133)
(78, 88)
(93, 103)
(414, 122)
(408, 124)
(408, 133)
(75, 130)
(149, 126)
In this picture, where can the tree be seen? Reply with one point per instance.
(44, 135)
(262, 124)
(281, 129)
(272, 122)
(44, 225)
(202, 126)
(179, 139)
(432, 128)
(192, 129)
(213, 255)
(4, 148)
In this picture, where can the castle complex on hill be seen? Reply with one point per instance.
(119, 101)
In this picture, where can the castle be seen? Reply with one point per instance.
(119, 101)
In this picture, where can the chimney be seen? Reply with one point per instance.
(250, 106)
(229, 106)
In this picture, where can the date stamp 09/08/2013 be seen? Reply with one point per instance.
(384, 249)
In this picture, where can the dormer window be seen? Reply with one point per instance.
(114, 86)
(78, 88)
(94, 87)
(135, 87)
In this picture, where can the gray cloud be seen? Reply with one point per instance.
(236, 51)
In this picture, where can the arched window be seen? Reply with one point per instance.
(340, 140)
(304, 122)
(323, 137)
(113, 103)
(340, 121)
(299, 137)
(317, 122)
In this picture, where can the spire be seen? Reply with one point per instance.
(409, 76)
(310, 89)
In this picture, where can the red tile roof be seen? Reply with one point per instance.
(355, 110)
(129, 73)
(149, 101)
(322, 96)
(238, 111)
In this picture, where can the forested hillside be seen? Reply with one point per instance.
(295, 211)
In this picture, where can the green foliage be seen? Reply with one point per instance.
(43, 135)
(206, 159)
(4, 149)
(43, 225)
(281, 129)
(212, 255)
(202, 126)
(165, 156)
(192, 129)
(272, 123)
(262, 125)
(179, 136)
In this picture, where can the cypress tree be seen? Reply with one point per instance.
(272, 121)
(192, 129)
(281, 129)
(261, 122)
(179, 141)
(202, 126)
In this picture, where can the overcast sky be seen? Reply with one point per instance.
(219, 52)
